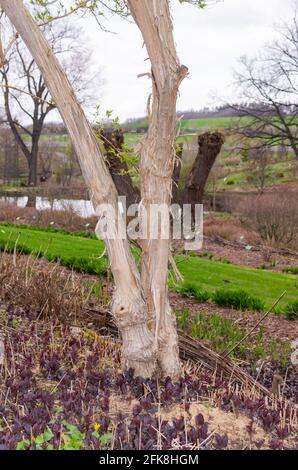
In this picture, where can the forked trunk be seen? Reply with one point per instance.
(148, 326)
(128, 305)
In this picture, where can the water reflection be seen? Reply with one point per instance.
(80, 206)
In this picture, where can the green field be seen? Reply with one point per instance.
(211, 123)
(83, 254)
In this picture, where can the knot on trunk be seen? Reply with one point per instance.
(128, 311)
(139, 351)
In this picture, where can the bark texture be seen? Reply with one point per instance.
(128, 306)
(156, 169)
(210, 144)
(176, 173)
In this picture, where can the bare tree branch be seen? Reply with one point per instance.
(268, 86)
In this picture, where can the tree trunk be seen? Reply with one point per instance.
(32, 165)
(156, 170)
(210, 144)
(128, 307)
(31, 201)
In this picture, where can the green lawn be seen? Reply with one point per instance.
(211, 275)
(72, 251)
(84, 255)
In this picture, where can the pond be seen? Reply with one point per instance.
(82, 207)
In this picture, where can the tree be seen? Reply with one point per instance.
(26, 112)
(269, 90)
(273, 217)
(140, 304)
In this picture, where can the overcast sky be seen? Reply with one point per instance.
(209, 42)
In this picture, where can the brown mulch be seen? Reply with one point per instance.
(248, 258)
(275, 327)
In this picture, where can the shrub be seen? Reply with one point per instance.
(66, 218)
(188, 289)
(273, 216)
(291, 270)
(43, 288)
(239, 299)
(291, 310)
(227, 229)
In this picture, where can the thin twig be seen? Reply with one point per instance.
(11, 43)
(2, 85)
(82, 4)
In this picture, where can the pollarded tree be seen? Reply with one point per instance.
(140, 303)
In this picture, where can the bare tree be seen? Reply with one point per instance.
(273, 216)
(268, 86)
(26, 112)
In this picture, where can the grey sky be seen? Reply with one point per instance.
(209, 42)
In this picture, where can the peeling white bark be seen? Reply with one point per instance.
(156, 169)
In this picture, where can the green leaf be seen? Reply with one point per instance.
(23, 445)
(106, 438)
